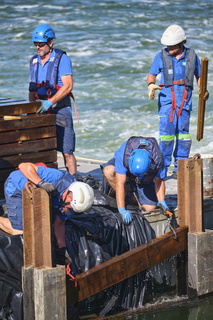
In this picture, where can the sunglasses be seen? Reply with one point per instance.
(40, 44)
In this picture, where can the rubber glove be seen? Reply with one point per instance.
(126, 215)
(206, 94)
(45, 105)
(151, 90)
(49, 187)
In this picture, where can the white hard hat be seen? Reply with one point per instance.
(173, 35)
(82, 196)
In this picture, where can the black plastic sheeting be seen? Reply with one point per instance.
(92, 238)
(11, 262)
(96, 237)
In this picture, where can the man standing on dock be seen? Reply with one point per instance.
(51, 83)
(177, 66)
(137, 161)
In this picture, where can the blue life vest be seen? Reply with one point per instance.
(151, 145)
(187, 81)
(52, 71)
(189, 72)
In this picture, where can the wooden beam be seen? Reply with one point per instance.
(19, 107)
(29, 121)
(50, 293)
(42, 229)
(27, 134)
(190, 193)
(28, 228)
(13, 161)
(126, 265)
(28, 146)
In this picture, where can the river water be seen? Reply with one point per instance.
(111, 44)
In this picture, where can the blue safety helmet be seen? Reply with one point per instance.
(139, 162)
(43, 33)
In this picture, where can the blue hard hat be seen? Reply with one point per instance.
(43, 33)
(139, 162)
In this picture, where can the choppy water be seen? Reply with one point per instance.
(111, 45)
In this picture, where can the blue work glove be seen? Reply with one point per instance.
(162, 204)
(45, 105)
(126, 215)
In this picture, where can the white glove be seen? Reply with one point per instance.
(151, 90)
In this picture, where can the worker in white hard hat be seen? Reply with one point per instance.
(177, 66)
(68, 196)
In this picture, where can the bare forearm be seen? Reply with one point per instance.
(29, 170)
(151, 78)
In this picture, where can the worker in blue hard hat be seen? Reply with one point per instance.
(138, 160)
(51, 82)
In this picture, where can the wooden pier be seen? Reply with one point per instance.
(45, 287)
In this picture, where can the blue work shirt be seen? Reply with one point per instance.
(119, 159)
(17, 180)
(65, 68)
(179, 66)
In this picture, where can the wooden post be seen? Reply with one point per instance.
(190, 193)
(202, 100)
(44, 287)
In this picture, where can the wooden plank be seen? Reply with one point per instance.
(126, 265)
(190, 194)
(43, 156)
(28, 121)
(202, 100)
(27, 147)
(42, 229)
(19, 108)
(28, 229)
(27, 134)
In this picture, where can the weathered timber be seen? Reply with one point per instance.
(28, 293)
(44, 287)
(126, 265)
(28, 227)
(190, 194)
(28, 147)
(14, 161)
(42, 229)
(18, 107)
(30, 137)
(202, 100)
(29, 121)
(44, 293)
(27, 134)
(50, 294)
(200, 263)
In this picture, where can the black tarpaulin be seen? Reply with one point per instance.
(92, 238)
